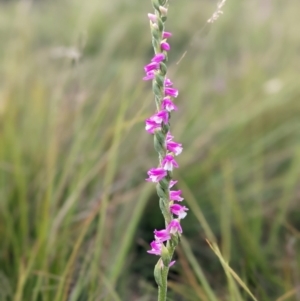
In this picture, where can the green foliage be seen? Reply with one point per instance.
(76, 216)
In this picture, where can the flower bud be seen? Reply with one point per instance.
(163, 10)
(152, 18)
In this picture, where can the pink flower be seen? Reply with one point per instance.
(179, 210)
(172, 183)
(152, 17)
(154, 122)
(168, 83)
(168, 163)
(175, 195)
(174, 227)
(174, 147)
(165, 46)
(162, 116)
(166, 34)
(151, 66)
(168, 105)
(159, 57)
(162, 235)
(169, 137)
(171, 92)
(156, 248)
(156, 174)
(149, 75)
(152, 125)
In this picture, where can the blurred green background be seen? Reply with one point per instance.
(76, 216)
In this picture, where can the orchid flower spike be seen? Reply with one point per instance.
(158, 124)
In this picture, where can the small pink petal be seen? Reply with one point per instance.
(151, 66)
(149, 75)
(175, 195)
(159, 57)
(172, 263)
(168, 82)
(168, 105)
(172, 183)
(162, 235)
(168, 163)
(171, 92)
(167, 34)
(152, 18)
(156, 174)
(165, 46)
(174, 227)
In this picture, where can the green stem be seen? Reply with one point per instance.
(163, 288)
(163, 266)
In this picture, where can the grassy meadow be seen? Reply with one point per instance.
(76, 215)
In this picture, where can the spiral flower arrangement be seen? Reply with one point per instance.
(165, 240)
